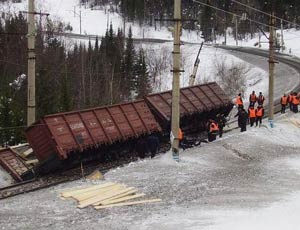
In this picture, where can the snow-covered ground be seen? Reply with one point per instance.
(5, 178)
(244, 180)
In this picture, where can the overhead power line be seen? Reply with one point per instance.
(240, 16)
(228, 12)
(270, 15)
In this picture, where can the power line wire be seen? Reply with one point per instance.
(252, 8)
(239, 16)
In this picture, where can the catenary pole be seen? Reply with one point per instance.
(236, 31)
(175, 122)
(31, 64)
(271, 71)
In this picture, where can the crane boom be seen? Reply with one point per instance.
(193, 75)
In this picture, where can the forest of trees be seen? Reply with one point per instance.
(209, 21)
(67, 78)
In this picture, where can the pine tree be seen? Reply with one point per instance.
(129, 78)
(143, 81)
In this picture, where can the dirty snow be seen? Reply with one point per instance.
(212, 187)
(5, 178)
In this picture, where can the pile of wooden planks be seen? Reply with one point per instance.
(106, 195)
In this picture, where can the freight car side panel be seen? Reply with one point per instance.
(94, 127)
(12, 163)
(109, 127)
(195, 99)
(146, 117)
(78, 130)
(120, 120)
(40, 140)
(61, 132)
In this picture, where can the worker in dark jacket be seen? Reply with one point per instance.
(221, 120)
(295, 102)
(242, 119)
(213, 130)
(260, 99)
(259, 112)
(153, 145)
(252, 99)
(283, 102)
(141, 148)
(290, 97)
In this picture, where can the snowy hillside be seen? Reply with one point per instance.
(243, 181)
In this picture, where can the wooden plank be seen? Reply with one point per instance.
(128, 203)
(34, 162)
(133, 191)
(86, 195)
(70, 193)
(101, 197)
(27, 152)
(114, 201)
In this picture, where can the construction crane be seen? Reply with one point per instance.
(193, 76)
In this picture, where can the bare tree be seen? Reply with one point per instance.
(232, 77)
(158, 64)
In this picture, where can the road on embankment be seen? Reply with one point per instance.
(287, 70)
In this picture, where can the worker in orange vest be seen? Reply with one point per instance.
(239, 101)
(252, 99)
(295, 102)
(213, 130)
(252, 115)
(259, 112)
(283, 102)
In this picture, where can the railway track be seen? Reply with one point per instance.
(58, 178)
(66, 176)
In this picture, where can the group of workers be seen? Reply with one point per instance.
(292, 99)
(253, 115)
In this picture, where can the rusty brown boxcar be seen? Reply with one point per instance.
(64, 133)
(13, 164)
(197, 104)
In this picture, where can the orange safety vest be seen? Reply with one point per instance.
(295, 100)
(284, 100)
(259, 112)
(180, 134)
(290, 98)
(252, 113)
(253, 97)
(213, 127)
(239, 100)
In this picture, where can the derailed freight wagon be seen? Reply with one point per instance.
(65, 138)
(197, 104)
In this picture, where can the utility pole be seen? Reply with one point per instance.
(236, 30)
(271, 71)
(31, 104)
(76, 14)
(31, 64)
(80, 17)
(282, 41)
(176, 80)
